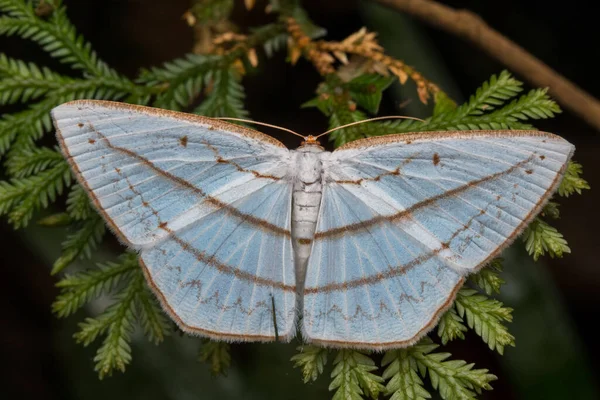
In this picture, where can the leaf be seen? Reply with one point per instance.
(217, 354)
(79, 289)
(226, 99)
(451, 326)
(485, 316)
(312, 360)
(572, 181)
(150, 316)
(539, 238)
(454, 379)
(402, 375)
(488, 278)
(21, 197)
(443, 104)
(352, 376)
(117, 322)
(81, 243)
(367, 90)
(78, 204)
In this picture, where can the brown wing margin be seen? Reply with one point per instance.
(436, 135)
(191, 118)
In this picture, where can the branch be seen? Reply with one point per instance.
(470, 26)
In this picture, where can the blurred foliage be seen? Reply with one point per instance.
(355, 71)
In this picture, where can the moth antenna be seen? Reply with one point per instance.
(281, 128)
(369, 120)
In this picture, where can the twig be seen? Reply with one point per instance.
(470, 26)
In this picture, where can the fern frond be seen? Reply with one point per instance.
(540, 237)
(210, 11)
(21, 197)
(117, 322)
(352, 376)
(150, 316)
(32, 161)
(217, 354)
(81, 243)
(367, 90)
(551, 209)
(312, 360)
(56, 36)
(404, 382)
(572, 181)
(453, 379)
(182, 79)
(30, 124)
(491, 94)
(488, 278)
(78, 204)
(115, 352)
(534, 105)
(81, 288)
(451, 327)
(485, 316)
(226, 97)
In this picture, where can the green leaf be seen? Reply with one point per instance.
(117, 323)
(226, 98)
(454, 379)
(443, 104)
(488, 278)
(217, 354)
(352, 376)
(485, 316)
(539, 238)
(78, 204)
(211, 11)
(21, 197)
(32, 161)
(367, 90)
(572, 181)
(77, 290)
(451, 326)
(56, 36)
(150, 316)
(182, 80)
(401, 374)
(551, 209)
(312, 360)
(491, 94)
(81, 243)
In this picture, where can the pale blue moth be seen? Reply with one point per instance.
(242, 239)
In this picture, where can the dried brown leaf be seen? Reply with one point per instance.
(402, 76)
(340, 55)
(423, 94)
(252, 57)
(189, 18)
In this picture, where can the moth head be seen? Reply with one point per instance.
(310, 140)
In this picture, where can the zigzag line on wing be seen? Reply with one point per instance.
(215, 299)
(207, 198)
(383, 307)
(392, 271)
(336, 232)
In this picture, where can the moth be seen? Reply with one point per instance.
(242, 239)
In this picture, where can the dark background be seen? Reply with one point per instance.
(555, 301)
